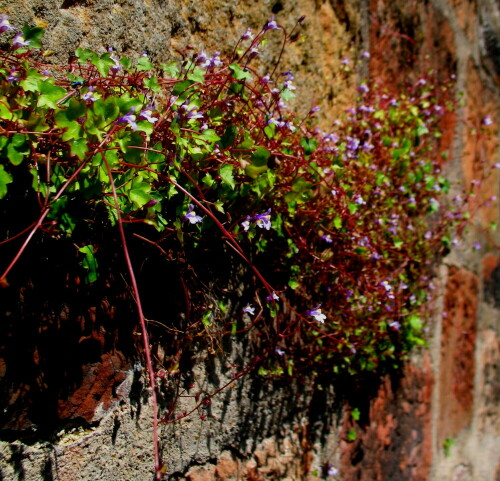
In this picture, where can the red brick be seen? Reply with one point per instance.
(456, 372)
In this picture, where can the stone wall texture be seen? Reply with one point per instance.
(440, 420)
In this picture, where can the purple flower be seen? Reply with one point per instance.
(147, 114)
(496, 165)
(271, 25)
(88, 96)
(317, 314)
(476, 246)
(128, 119)
(249, 309)
(263, 220)
(352, 143)
(327, 238)
(272, 297)
(332, 470)
(254, 51)
(117, 66)
(202, 57)
(266, 79)
(191, 216)
(487, 120)
(19, 41)
(279, 351)
(212, 62)
(395, 325)
(5, 25)
(345, 60)
(14, 75)
(246, 223)
(359, 200)
(365, 54)
(247, 35)
(363, 89)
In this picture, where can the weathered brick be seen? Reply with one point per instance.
(457, 367)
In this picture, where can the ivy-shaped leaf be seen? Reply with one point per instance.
(226, 174)
(50, 94)
(5, 179)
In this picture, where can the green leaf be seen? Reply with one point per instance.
(144, 64)
(240, 73)
(260, 156)
(355, 414)
(5, 178)
(17, 148)
(103, 63)
(5, 112)
(415, 322)
(210, 136)
(79, 148)
(152, 83)
(89, 263)
(197, 75)
(287, 95)
(139, 193)
(337, 222)
(309, 145)
(226, 174)
(229, 136)
(84, 54)
(171, 69)
(50, 94)
(32, 80)
(33, 35)
(352, 435)
(145, 126)
(181, 89)
(206, 318)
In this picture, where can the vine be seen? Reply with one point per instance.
(340, 230)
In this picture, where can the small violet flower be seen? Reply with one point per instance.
(279, 351)
(272, 297)
(5, 26)
(363, 89)
(395, 325)
(147, 114)
(476, 246)
(263, 220)
(248, 35)
(249, 309)
(271, 25)
(212, 62)
(19, 41)
(332, 470)
(88, 96)
(359, 200)
(487, 120)
(14, 75)
(128, 119)
(327, 238)
(191, 216)
(266, 79)
(317, 314)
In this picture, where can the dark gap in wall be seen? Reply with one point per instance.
(277, 7)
